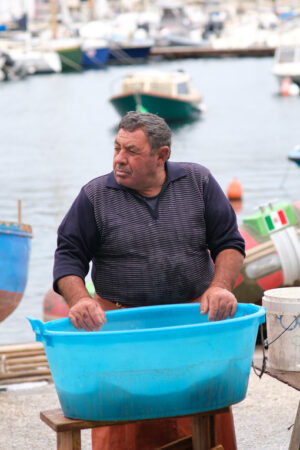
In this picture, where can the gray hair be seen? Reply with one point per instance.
(156, 129)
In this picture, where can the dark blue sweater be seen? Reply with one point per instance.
(146, 254)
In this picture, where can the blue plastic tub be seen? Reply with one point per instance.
(151, 362)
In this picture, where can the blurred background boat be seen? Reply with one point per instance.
(287, 63)
(294, 155)
(11, 69)
(170, 95)
(15, 245)
(94, 53)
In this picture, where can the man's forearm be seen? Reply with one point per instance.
(227, 268)
(72, 288)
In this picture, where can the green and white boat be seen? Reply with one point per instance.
(69, 52)
(169, 95)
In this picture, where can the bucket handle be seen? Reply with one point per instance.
(39, 329)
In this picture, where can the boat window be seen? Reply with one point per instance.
(286, 55)
(182, 88)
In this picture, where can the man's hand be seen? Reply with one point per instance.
(218, 299)
(219, 302)
(87, 314)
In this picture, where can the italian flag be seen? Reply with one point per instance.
(276, 220)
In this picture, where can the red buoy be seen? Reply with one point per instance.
(234, 190)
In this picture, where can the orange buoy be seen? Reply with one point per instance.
(285, 86)
(288, 87)
(234, 190)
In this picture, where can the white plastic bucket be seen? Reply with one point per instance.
(283, 322)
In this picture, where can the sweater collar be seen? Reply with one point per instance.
(174, 172)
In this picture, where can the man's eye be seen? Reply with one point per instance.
(117, 149)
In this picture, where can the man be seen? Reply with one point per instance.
(157, 232)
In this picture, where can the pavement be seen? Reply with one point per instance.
(263, 420)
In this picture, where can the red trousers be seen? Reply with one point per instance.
(149, 435)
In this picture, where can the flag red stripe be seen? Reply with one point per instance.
(282, 217)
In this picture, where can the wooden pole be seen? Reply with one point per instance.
(53, 21)
(92, 9)
(19, 211)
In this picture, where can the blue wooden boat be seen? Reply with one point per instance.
(15, 245)
(94, 54)
(294, 155)
(122, 53)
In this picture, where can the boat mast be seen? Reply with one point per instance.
(92, 9)
(53, 20)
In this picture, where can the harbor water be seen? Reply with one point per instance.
(57, 132)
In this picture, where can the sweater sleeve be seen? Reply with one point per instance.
(221, 224)
(77, 239)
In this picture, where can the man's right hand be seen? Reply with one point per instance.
(87, 314)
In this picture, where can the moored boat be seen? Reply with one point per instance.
(287, 63)
(294, 155)
(129, 53)
(272, 237)
(94, 54)
(69, 51)
(15, 246)
(36, 61)
(170, 95)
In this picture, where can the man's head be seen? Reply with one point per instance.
(142, 146)
(155, 128)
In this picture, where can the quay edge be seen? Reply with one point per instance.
(204, 52)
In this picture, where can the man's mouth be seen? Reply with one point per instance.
(121, 172)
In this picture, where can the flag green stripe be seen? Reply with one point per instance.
(269, 223)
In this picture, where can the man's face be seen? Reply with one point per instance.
(134, 165)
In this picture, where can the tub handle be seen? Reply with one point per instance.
(39, 329)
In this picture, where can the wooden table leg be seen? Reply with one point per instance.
(203, 432)
(295, 439)
(68, 440)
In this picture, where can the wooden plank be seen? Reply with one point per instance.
(68, 440)
(56, 420)
(295, 439)
(185, 443)
(23, 354)
(19, 361)
(25, 379)
(19, 374)
(21, 347)
(29, 360)
(20, 368)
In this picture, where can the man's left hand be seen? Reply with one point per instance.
(219, 302)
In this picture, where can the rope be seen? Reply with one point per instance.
(264, 360)
(121, 55)
(266, 344)
(70, 63)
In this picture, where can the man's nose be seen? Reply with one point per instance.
(121, 157)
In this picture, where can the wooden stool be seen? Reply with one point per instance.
(68, 430)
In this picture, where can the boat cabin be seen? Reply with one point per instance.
(287, 63)
(288, 54)
(169, 84)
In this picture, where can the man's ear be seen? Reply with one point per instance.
(163, 153)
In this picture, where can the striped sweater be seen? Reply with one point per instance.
(144, 254)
